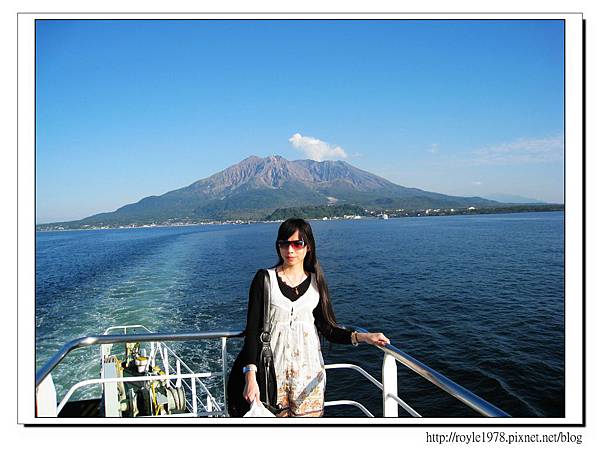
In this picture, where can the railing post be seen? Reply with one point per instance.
(45, 402)
(224, 357)
(194, 399)
(389, 379)
(178, 366)
(166, 364)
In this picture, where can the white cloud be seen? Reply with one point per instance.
(477, 183)
(316, 149)
(434, 148)
(522, 151)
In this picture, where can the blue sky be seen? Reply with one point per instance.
(127, 109)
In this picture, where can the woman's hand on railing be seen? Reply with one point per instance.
(372, 338)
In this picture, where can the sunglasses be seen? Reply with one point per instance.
(297, 245)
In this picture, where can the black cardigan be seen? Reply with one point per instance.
(254, 321)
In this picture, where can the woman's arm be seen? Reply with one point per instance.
(333, 334)
(251, 391)
(254, 320)
(254, 323)
(339, 335)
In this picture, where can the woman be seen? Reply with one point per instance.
(300, 305)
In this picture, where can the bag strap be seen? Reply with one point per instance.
(265, 336)
(266, 355)
(267, 304)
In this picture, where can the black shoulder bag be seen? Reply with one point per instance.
(237, 406)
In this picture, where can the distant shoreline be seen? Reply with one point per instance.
(398, 214)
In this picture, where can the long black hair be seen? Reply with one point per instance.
(311, 263)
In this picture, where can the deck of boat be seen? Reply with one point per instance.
(82, 408)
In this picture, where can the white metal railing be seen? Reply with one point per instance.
(382, 387)
(388, 385)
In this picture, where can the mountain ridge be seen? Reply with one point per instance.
(255, 187)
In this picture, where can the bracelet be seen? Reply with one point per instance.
(354, 338)
(249, 368)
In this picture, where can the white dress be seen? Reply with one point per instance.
(297, 350)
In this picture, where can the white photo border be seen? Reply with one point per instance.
(574, 225)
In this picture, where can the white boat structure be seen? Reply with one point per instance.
(141, 376)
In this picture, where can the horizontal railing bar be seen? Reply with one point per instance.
(125, 338)
(359, 369)
(457, 391)
(351, 403)
(125, 327)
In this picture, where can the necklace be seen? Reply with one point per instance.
(292, 282)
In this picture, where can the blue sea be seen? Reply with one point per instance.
(478, 298)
